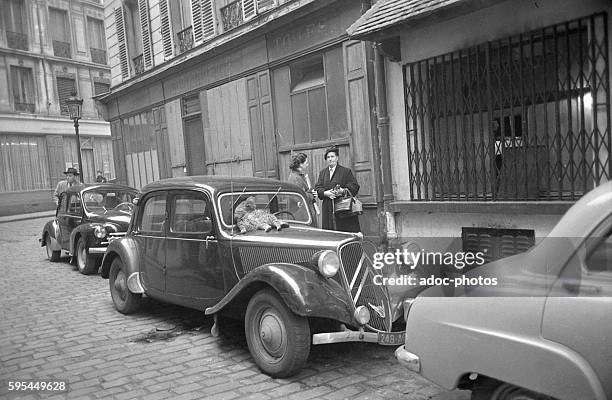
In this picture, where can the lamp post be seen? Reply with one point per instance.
(75, 104)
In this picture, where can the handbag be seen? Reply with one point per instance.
(347, 206)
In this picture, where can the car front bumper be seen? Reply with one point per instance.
(97, 250)
(408, 359)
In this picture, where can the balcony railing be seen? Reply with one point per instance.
(24, 107)
(185, 39)
(231, 15)
(17, 40)
(98, 56)
(61, 49)
(139, 66)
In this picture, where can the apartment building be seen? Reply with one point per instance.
(48, 50)
(226, 87)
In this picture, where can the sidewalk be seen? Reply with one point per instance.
(23, 217)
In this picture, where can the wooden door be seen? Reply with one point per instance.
(194, 146)
(55, 151)
(261, 123)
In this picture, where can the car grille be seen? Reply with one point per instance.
(359, 274)
(253, 257)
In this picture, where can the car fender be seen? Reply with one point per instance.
(304, 291)
(507, 351)
(85, 230)
(125, 248)
(52, 229)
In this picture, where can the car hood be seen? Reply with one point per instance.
(525, 274)
(119, 218)
(296, 235)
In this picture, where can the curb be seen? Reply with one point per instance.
(24, 217)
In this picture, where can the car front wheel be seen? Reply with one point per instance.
(278, 340)
(52, 255)
(125, 301)
(491, 389)
(86, 263)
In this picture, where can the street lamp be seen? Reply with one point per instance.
(75, 104)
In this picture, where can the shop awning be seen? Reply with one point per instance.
(386, 14)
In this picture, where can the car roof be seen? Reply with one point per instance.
(220, 184)
(586, 214)
(106, 186)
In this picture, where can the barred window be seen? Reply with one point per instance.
(525, 117)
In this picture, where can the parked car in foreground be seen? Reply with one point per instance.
(545, 331)
(183, 247)
(87, 217)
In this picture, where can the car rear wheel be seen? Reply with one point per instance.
(86, 263)
(125, 301)
(52, 255)
(278, 340)
(491, 389)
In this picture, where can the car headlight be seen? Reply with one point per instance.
(362, 315)
(328, 263)
(100, 232)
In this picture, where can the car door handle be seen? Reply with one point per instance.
(578, 288)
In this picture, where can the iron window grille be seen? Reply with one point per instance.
(526, 117)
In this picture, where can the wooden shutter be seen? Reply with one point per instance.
(121, 41)
(166, 31)
(248, 9)
(65, 87)
(145, 27)
(196, 21)
(208, 18)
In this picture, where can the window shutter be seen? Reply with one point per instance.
(165, 29)
(196, 21)
(65, 87)
(123, 51)
(147, 54)
(248, 9)
(208, 18)
(264, 5)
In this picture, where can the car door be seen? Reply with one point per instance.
(578, 312)
(150, 234)
(193, 268)
(71, 218)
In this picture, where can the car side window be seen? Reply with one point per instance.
(599, 259)
(63, 203)
(153, 214)
(74, 204)
(191, 214)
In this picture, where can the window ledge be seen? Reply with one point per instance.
(482, 207)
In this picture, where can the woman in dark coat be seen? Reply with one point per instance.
(335, 175)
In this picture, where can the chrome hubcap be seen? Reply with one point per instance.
(272, 333)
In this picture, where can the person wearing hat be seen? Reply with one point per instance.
(100, 177)
(71, 180)
(335, 181)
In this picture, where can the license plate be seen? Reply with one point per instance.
(391, 338)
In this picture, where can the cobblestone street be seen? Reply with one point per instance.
(56, 324)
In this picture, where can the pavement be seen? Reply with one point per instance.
(57, 325)
(24, 217)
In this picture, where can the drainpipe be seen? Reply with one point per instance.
(376, 151)
(44, 58)
(382, 126)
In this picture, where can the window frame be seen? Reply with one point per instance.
(208, 214)
(162, 195)
(19, 71)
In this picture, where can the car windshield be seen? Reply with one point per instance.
(287, 206)
(99, 200)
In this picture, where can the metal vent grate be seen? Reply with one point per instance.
(497, 243)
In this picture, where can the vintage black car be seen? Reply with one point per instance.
(87, 217)
(293, 287)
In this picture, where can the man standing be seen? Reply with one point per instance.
(71, 180)
(100, 178)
